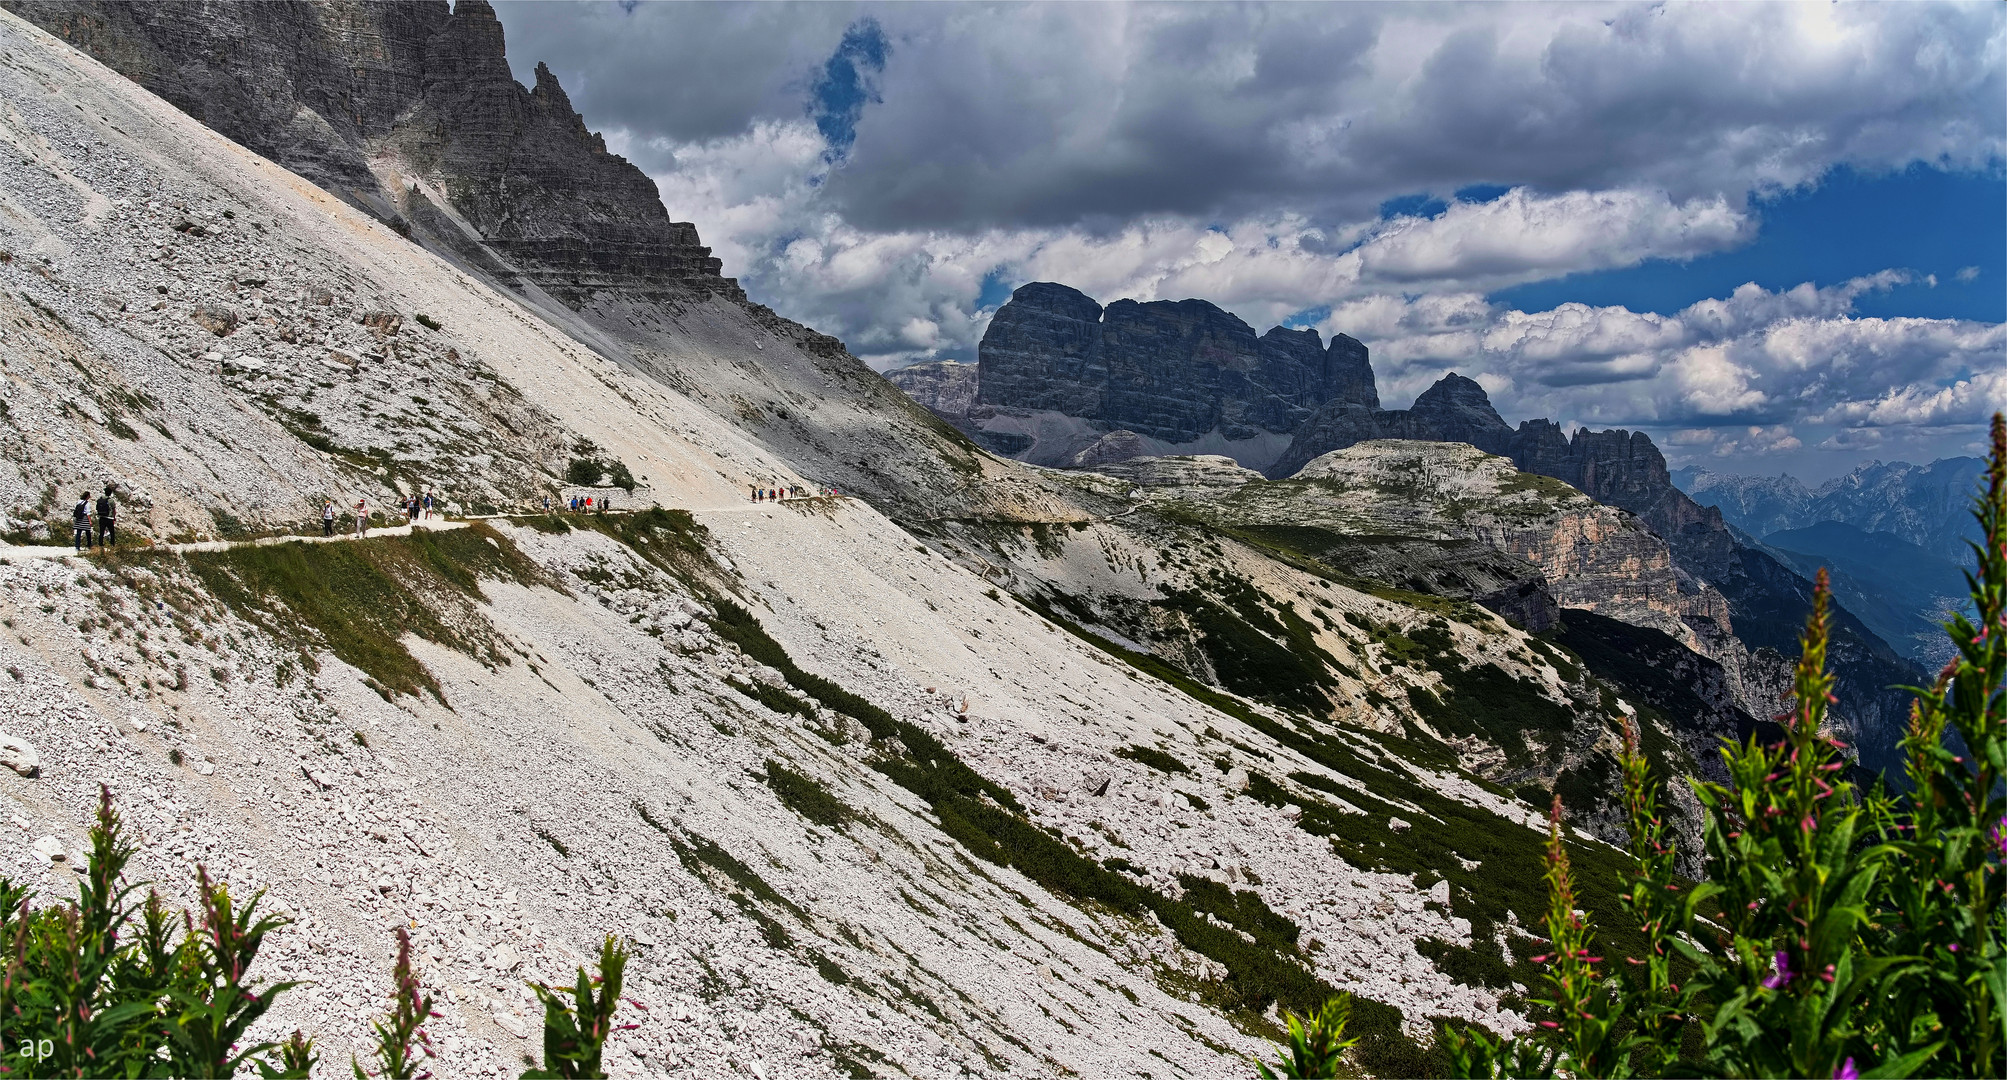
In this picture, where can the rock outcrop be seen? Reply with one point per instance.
(945, 387)
(1171, 371)
(1766, 603)
(409, 111)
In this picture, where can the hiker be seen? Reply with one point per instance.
(428, 506)
(361, 516)
(107, 519)
(605, 502)
(327, 517)
(82, 515)
(547, 505)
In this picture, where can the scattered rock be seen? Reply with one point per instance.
(49, 850)
(19, 756)
(505, 958)
(216, 319)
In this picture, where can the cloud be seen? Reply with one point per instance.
(1750, 367)
(1025, 116)
(867, 168)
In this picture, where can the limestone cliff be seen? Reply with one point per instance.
(408, 110)
(1765, 602)
(1172, 371)
(944, 387)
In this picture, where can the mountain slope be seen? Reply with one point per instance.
(409, 112)
(860, 807)
(1901, 591)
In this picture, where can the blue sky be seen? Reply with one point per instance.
(1933, 222)
(1747, 229)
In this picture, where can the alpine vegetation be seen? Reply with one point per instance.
(1838, 932)
(111, 985)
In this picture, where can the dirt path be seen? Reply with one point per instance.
(10, 552)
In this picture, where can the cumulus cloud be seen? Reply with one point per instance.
(1729, 376)
(1016, 116)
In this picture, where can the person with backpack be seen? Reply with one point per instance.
(327, 517)
(81, 518)
(428, 506)
(107, 519)
(361, 516)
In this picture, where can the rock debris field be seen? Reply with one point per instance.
(540, 734)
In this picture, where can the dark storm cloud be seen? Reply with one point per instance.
(1007, 116)
(675, 71)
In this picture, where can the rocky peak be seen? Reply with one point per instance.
(410, 111)
(1174, 371)
(1461, 410)
(1349, 372)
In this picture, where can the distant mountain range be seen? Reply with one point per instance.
(1892, 534)
(1926, 505)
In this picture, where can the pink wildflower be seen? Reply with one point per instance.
(1783, 976)
(1846, 1071)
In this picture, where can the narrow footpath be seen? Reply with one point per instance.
(10, 552)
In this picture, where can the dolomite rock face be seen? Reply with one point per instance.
(1589, 556)
(945, 387)
(409, 111)
(1170, 370)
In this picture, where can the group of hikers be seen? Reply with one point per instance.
(100, 517)
(788, 491)
(583, 504)
(419, 507)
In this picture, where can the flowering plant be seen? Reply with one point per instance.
(1851, 935)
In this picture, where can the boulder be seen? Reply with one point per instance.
(20, 756)
(49, 850)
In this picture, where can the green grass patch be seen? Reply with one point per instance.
(1154, 758)
(358, 598)
(805, 795)
(773, 697)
